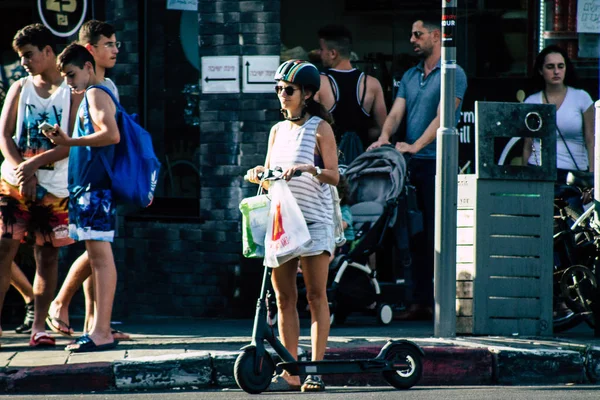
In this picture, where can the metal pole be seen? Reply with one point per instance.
(446, 183)
(597, 164)
(596, 307)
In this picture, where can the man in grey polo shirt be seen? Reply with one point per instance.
(419, 97)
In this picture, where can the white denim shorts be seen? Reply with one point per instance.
(322, 240)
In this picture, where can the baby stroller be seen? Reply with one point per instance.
(377, 197)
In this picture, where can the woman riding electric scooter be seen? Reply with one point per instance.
(304, 142)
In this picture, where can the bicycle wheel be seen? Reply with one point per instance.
(574, 285)
(563, 318)
(583, 234)
(578, 287)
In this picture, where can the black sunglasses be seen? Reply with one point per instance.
(289, 90)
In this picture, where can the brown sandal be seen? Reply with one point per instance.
(313, 383)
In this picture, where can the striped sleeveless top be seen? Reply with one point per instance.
(297, 146)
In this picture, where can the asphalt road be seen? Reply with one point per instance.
(583, 392)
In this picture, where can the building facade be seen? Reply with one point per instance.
(182, 256)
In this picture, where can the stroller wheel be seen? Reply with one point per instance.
(385, 314)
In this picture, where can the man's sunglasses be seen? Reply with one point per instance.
(289, 90)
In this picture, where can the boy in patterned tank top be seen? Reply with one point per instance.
(33, 178)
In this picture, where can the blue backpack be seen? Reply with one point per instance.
(134, 173)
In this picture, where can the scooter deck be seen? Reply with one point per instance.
(329, 367)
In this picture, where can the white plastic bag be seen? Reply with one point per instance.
(287, 232)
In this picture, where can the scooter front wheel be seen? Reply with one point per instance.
(404, 378)
(249, 380)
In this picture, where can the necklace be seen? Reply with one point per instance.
(293, 119)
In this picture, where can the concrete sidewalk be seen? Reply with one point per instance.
(170, 353)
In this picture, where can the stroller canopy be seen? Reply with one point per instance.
(376, 175)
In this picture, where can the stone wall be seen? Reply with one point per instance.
(234, 130)
(124, 15)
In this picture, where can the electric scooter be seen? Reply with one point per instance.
(400, 361)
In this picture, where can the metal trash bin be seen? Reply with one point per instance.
(505, 213)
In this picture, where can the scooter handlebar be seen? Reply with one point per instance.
(271, 174)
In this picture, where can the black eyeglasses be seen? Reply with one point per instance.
(110, 45)
(289, 90)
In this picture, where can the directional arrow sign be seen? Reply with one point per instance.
(254, 72)
(221, 74)
(258, 73)
(207, 79)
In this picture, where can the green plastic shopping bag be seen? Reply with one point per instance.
(255, 215)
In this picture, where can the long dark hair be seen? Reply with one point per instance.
(538, 83)
(318, 110)
(343, 190)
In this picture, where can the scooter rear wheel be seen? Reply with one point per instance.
(245, 376)
(407, 377)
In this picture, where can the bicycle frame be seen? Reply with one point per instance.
(587, 214)
(573, 258)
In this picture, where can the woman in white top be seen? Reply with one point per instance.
(554, 76)
(304, 142)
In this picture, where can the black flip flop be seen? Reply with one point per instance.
(85, 344)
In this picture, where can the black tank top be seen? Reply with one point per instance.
(348, 112)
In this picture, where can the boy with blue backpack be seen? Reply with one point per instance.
(92, 204)
(100, 39)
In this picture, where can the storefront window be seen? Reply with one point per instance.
(574, 26)
(495, 45)
(171, 86)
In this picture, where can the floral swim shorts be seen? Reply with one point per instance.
(92, 215)
(46, 217)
